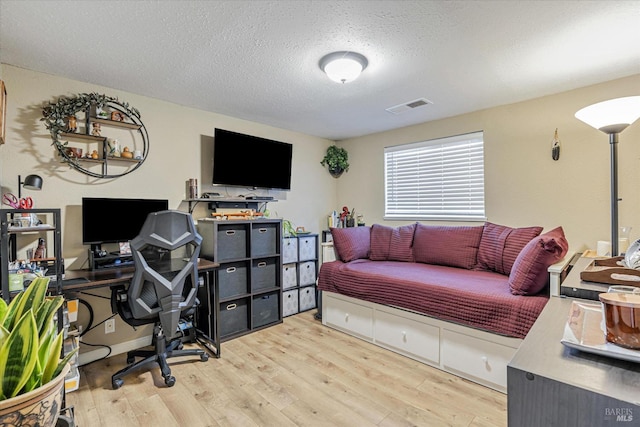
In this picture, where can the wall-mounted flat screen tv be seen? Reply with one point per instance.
(114, 220)
(249, 161)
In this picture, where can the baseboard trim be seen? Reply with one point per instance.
(119, 348)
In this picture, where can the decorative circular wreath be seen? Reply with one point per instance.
(56, 114)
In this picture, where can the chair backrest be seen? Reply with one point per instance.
(165, 281)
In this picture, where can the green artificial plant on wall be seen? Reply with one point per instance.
(337, 160)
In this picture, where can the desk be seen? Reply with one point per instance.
(550, 385)
(96, 279)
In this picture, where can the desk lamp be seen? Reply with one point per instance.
(31, 182)
(612, 117)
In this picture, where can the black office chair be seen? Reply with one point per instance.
(162, 291)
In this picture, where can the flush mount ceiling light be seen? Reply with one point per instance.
(343, 66)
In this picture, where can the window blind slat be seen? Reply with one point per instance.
(437, 179)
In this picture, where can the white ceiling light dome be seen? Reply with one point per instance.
(343, 66)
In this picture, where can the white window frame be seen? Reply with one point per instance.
(439, 179)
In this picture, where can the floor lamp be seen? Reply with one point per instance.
(612, 117)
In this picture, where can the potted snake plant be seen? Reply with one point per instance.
(31, 369)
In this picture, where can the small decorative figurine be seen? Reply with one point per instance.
(40, 250)
(114, 147)
(94, 155)
(72, 124)
(96, 129)
(117, 116)
(126, 153)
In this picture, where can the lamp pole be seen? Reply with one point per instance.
(19, 187)
(613, 142)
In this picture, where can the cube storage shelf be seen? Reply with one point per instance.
(247, 291)
(299, 273)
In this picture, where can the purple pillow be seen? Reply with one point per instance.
(392, 243)
(455, 246)
(500, 246)
(380, 242)
(401, 248)
(529, 274)
(352, 242)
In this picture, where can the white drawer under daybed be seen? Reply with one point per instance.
(477, 355)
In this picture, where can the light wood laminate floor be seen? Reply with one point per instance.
(298, 373)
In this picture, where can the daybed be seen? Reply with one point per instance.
(460, 298)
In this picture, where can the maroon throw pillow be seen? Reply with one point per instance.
(380, 242)
(352, 242)
(401, 247)
(454, 246)
(500, 246)
(529, 274)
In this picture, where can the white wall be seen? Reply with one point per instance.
(180, 148)
(523, 185)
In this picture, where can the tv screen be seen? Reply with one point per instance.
(106, 220)
(248, 161)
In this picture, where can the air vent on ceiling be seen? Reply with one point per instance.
(416, 103)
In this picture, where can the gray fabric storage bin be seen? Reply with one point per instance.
(232, 242)
(307, 247)
(307, 273)
(264, 240)
(264, 274)
(265, 309)
(234, 317)
(233, 279)
(289, 250)
(289, 276)
(289, 302)
(307, 298)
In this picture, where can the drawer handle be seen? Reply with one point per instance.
(404, 336)
(231, 270)
(262, 230)
(232, 306)
(308, 267)
(231, 232)
(262, 264)
(346, 317)
(484, 359)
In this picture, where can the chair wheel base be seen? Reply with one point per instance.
(170, 381)
(116, 384)
(204, 357)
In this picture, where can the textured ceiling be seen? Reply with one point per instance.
(258, 60)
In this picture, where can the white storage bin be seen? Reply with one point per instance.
(307, 298)
(307, 247)
(289, 276)
(289, 250)
(290, 302)
(307, 273)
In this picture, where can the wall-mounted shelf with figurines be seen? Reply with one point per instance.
(100, 153)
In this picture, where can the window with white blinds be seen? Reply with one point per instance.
(441, 179)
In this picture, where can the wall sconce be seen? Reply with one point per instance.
(343, 66)
(31, 182)
(612, 117)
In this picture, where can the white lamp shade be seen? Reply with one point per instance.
(612, 116)
(343, 70)
(343, 67)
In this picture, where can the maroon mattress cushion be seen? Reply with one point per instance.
(529, 274)
(475, 298)
(500, 246)
(352, 243)
(392, 243)
(454, 246)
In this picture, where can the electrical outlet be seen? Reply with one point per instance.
(110, 326)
